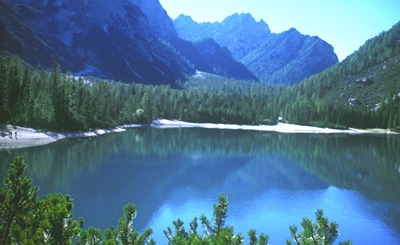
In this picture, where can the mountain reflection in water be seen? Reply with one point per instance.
(272, 180)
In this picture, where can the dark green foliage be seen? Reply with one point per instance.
(262, 240)
(27, 220)
(215, 232)
(368, 75)
(361, 91)
(56, 220)
(17, 204)
(123, 235)
(62, 102)
(92, 236)
(126, 234)
(322, 232)
(24, 219)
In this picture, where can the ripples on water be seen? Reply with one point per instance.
(272, 180)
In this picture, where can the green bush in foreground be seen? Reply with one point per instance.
(25, 219)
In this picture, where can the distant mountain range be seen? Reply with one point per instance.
(284, 58)
(136, 41)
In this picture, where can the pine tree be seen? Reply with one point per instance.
(323, 232)
(18, 203)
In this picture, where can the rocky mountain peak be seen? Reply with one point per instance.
(246, 20)
(239, 33)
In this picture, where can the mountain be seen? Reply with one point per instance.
(131, 41)
(107, 39)
(366, 79)
(159, 22)
(284, 58)
(289, 57)
(19, 39)
(362, 91)
(221, 61)
(209, 56)
(241, 34)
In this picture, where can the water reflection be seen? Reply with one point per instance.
(272, 180)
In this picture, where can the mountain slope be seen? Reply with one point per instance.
(289, 57)
(131, 41)
(221, 61)
(21, 40)
(284, 58)
(159, 22)
(361, 91)
(108, 39)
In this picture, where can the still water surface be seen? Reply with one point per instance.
(272, 180)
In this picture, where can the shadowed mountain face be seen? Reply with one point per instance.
(289, 57)
(208, 56)
(107, 39)
(284, 58)
(131, 41)
(136, 41)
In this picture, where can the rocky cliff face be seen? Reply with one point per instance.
(135, 41)
(108, 39)
(289, 57)
(160, 23)
(131, 41)
(284, 58)
(240, 33)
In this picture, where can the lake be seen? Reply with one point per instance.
(272, 180)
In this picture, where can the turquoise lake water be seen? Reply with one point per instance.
(272, 180)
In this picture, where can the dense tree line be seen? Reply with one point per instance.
(26, 219)
(62, 102)
(52, 100)
(317, 99)
(57, 101)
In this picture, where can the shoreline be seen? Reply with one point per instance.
(13, 137)
(279, 127)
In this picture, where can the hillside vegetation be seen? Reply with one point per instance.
(362, 91)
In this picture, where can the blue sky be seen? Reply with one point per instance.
(345, 24)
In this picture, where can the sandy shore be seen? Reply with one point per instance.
(280, 127)
(13, 137)
(19, 137)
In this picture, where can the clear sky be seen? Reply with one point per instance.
(345, 24)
